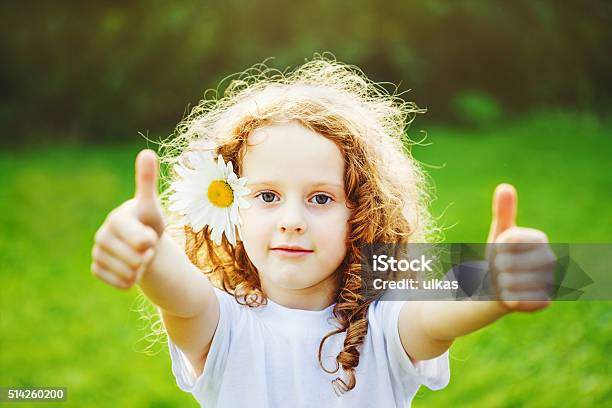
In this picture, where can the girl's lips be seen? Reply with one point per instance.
(291, 253)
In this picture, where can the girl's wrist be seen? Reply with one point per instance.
(501, 308)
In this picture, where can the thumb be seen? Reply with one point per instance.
(504, 210)
(147, 206)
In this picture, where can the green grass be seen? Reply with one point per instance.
(59, 326)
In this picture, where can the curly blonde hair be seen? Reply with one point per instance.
(385, 187)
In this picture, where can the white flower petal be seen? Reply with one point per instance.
(230, 233)
(229, 170)
(193, 159)
(242, 203)
(233, 215)
(199, 158)
(186, 196)
(183, 186)
(196, 206)
(201, 219)
(227, 224)
(232, 178)
(198, 225)
(221, 166)
(216, 235)
(240, 191)
(183, 171)
(177, 206)
(214, 217)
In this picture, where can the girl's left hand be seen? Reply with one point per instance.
(522, 259)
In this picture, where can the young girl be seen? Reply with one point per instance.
(252, 254)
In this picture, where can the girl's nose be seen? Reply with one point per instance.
(292, 219)
(293, 227)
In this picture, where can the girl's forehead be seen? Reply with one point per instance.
(287, 151)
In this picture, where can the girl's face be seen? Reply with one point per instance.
(295, 230)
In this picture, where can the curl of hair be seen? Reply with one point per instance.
(385, 187)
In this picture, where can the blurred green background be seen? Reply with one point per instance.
(516, 92)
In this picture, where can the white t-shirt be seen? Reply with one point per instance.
(267, 357)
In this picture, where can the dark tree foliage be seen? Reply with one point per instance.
(103, 70)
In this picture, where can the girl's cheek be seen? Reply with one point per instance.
(334, 222)
(254, 222)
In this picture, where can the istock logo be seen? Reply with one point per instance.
(385, 263)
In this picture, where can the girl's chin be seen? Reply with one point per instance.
(290, 278)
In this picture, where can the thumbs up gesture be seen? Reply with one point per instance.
(125, 243)
(521, 258)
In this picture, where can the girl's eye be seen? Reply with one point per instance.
(266, 196)
(269, 197)
(321, 199)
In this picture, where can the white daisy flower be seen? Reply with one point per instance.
(210, 194)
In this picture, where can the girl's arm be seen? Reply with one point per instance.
(133, 246)
(174, 284)
(188, 305)
(428, 328)
(524, 264)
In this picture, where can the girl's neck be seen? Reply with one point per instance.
(317, 297)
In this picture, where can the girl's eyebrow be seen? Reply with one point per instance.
(312, 185)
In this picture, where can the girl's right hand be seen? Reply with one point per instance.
(126, 242)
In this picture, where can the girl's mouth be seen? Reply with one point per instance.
(292, 252)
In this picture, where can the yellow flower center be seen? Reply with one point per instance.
(220, 194)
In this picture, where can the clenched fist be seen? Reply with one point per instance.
(522, 260)
(125, 243)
